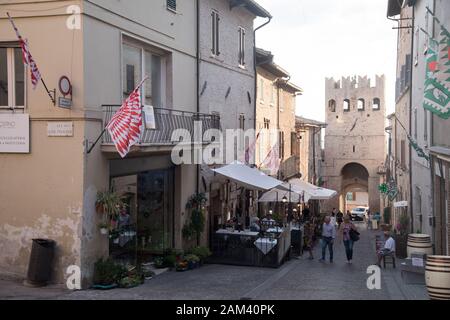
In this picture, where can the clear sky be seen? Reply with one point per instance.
(314, 39)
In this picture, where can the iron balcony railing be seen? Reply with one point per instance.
(167, 121)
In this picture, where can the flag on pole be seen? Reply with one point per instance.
(418, 149)
(437, 80)
(27, 57)
(250, 152)
(126, 125)
(273, 161)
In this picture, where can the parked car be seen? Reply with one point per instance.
(359, 213)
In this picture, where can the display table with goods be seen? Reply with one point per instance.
(246, 248)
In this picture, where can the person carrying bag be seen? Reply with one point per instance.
(350, 235)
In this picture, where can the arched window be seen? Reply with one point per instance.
(332, 105)
(346, 105)
(361, 104)
(376, 104)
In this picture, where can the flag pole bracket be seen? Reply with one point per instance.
(95, 143)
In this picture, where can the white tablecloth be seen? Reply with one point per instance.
(243, 233)
(275, 230)
(265, 245)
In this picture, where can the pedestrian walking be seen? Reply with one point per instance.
(346, 236)
(369, 220)
(328, 236)
(340, 219)
(333, 217)
(308, 239)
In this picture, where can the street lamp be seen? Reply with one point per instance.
(285, 199)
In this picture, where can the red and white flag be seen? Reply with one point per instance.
(273, 161)
(250, 152)
(126, 125)
(27, 57)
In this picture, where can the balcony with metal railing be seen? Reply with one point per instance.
(167, 121)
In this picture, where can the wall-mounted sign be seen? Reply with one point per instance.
(149, 117)
(64, 103)
(60, 129)
(14, 133)
(401, 204)
(65, 87)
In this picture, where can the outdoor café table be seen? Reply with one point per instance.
(266, 244)
(241, 233)
(275, 230)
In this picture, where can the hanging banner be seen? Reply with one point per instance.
(149, 117)
(437, 80)
(14, 133)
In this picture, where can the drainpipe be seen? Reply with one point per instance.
(411, 205)
(198, 83)
(314, 155)
(254, 68)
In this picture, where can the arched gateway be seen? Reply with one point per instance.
(355, 142)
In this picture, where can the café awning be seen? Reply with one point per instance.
(297, 191)
(315, 192)
(247, 177)
(277, 195)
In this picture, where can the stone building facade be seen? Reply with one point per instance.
(310, 134)
(275, 114)
(355, 141)
(105, 53)
(226, 84)
(401, 171)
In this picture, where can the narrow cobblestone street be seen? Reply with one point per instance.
(299, 279)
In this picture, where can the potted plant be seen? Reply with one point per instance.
(107, 274)
(401, 236)
(196, 205)
(109, 205)
(182, 266)
(103, 228)
(159, 263)
(202, 253)
(132, 279)
(387, 220)
(193, 261)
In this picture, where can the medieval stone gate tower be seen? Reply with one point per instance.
(355, 141)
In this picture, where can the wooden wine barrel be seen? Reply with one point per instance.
(420, 244)
(437, 277)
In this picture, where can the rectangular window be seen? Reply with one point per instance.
(261, 89)
(12, 78)
(408, 70)
(266, 124)
(281, 135)
(294, 143)
(272, 95)
(137, 62)
(241, 47)
(215, 19)
(403, 154)
(172, 5)
(242, 121)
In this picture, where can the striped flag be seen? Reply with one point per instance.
(273, 161)
(126, 125)
(250, 152)
(27, 57)
(437, 80)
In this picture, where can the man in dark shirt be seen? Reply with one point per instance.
(306, 213)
